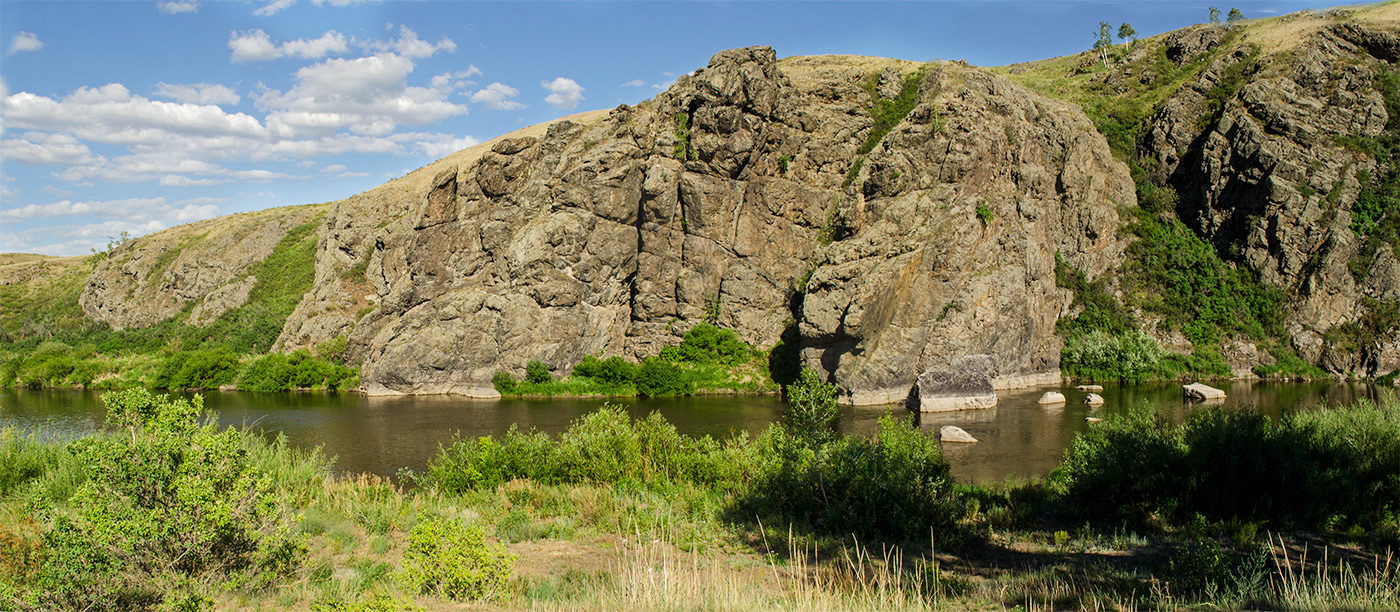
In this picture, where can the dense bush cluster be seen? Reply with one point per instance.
(452, 560)
(606, 446)
(298, 370)
(1325, 468)
(1129, 357)
(167, 509)
(799, 472)
(203, 369)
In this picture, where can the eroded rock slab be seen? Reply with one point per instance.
(964, 384)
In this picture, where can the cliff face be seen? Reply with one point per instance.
(724, 198)
(785, 200)
(1273, 176)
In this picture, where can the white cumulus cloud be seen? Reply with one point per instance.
(178, 6)
(25, 41)
(367, 95)
(46, 149)
(198, 93)
(564, 92)
(409, 45)
(497, 96)
(634, 83)
(256, 45)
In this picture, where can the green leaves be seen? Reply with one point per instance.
(449, 559)
(171, 508)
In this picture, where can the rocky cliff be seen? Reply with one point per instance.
(1272, 174)
(739, 195)
(883, 217)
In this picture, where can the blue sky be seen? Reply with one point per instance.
(134, 116)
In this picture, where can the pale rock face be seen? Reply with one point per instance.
(964, 384)
(1051, 397)
(1200, 392)
(146, 281)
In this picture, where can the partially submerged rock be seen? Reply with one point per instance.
(1051, 397)
(1093, 399)
(1199, 392)
(964, 384)
(1094, 388)
(1092, 420)
(953, 433)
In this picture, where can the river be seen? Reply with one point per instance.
(381, 435)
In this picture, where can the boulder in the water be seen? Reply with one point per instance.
(1093, 399)
(1092, 420)
(1200, 392)
(1095, 388)
(1051, 397)
(953, 433)
(964, 384)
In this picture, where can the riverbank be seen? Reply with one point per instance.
(617, 513)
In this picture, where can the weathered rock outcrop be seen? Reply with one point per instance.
(740, 194)
(964, 384)
(1271, 179)
(145, 281)
(727, 196)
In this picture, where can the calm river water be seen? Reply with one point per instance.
(381, 435)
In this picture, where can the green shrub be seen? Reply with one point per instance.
(267, 374)
(658, 377)
(893, 488)
(1325, 468)
(298, 370)
(1130, 357)
(201, 369)
(614, 371)
(503, 382)
(605, 447)
(812, 411)
(168, 507)
(705, 343)
(984, 214)
(537, 372)
(452, 560)
(1205, 570)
